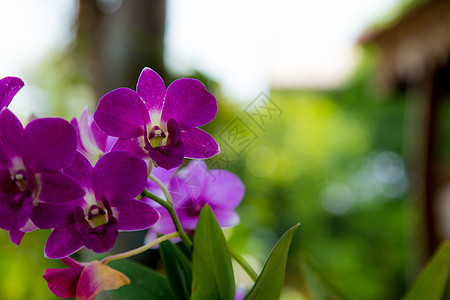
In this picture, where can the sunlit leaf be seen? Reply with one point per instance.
(178, 270)
(211, 265)
(431, 282)
(270, 281)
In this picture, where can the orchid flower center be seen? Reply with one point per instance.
(15, 187)
(20, 180)
(97, 216)
(16, 183)
(194, 206)
(157, 137)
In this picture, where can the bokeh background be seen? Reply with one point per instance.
(333, 114)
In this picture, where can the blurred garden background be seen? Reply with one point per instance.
(324, 123)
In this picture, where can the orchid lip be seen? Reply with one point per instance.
(17, 183)
(157, 137)
(96, 213)
(97, 216)
(15, 202)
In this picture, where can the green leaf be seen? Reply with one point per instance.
(431, 282)
(270, 281)
(211, 263)
(314, 280)
(145, 283)
(178, 270)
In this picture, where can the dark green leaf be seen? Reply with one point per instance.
(431, 282)
(211, 265)
(178, 270)
(270, 281)
(145, 283)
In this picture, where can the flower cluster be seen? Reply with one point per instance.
(85, 179)
(193, 187)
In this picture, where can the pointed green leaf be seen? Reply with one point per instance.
(431, 282)
(270, 281)
(178, 270)
(145, 283)
(211, 263)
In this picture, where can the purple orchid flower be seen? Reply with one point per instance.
(9, 86)
(193, 187)
(108, 206)
(30, 181)
(83, 280)
(157, 123)
(92, 142)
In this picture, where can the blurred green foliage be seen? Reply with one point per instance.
(334, 161)
(21, 267)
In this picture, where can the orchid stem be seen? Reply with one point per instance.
(244, 264)
(162, 187)
(169, 207)
(140, 249)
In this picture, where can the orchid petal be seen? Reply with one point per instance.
(15, 205)
(28, 227)
(80, 146)
(225, 189)
(198, 144)
(195, 169)
(63, 282)
(118, 175)
(194, 186)
(15, 235)
(135, 215)
(188, 221)
(104, 141)
(187, 189)
(226, 217)
(48, 144)
(151, 89)
(97, 277)
(122, 113)
(63, 242)
(189, 184)
(132, 146)
(164, 176)
(9, 86)
(48, 216)
(86, 135)
(81, 170)
(189, 103)
(5, 161)
(94, 141)
(10, 132)
(165, 224)
(58, 188)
